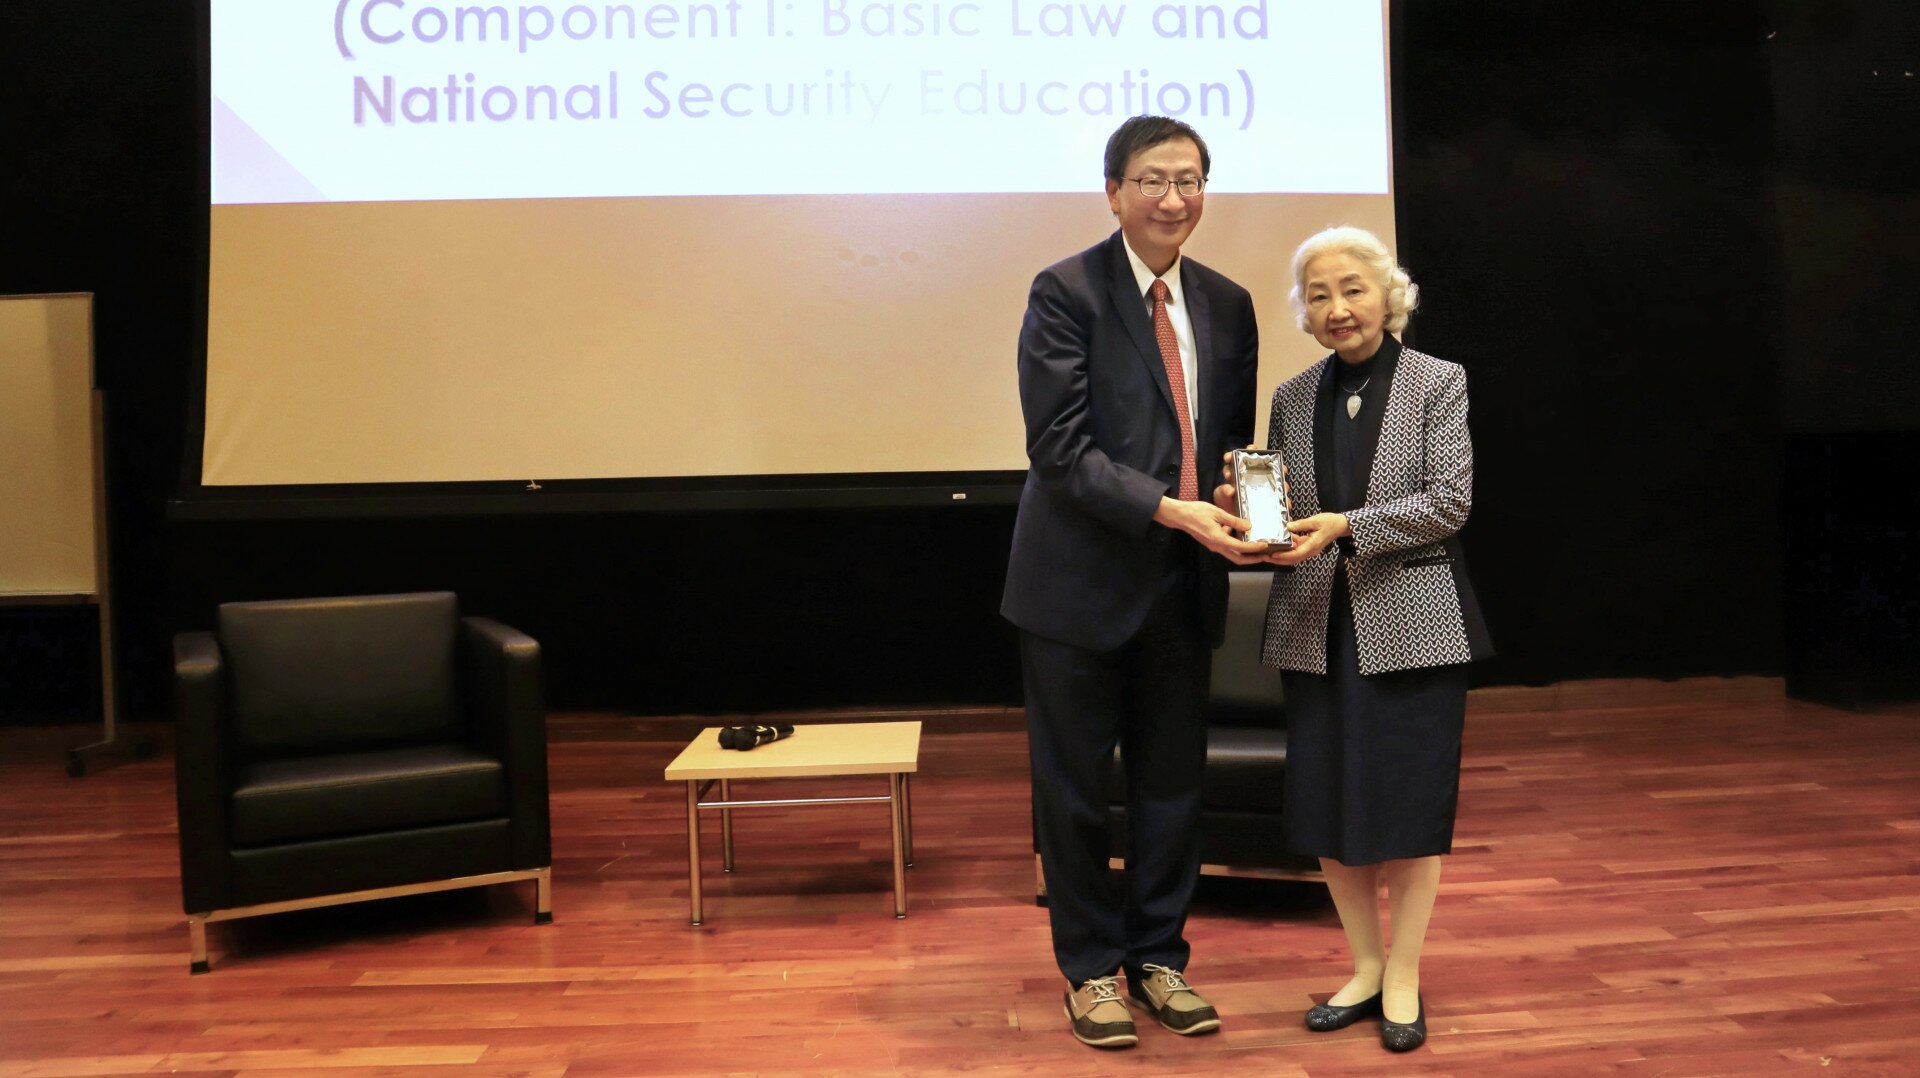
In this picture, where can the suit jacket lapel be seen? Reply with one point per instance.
(1374, 414)
(1198, 313)
(1125, 293)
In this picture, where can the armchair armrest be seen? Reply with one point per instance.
(505, 703)
(201, 781)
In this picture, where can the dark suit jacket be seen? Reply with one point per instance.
(1103, 445)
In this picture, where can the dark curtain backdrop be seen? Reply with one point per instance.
(1846, 92)
(1634, 223)
(103, 189)
(1582, 197)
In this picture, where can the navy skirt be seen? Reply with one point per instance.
(1373, 763)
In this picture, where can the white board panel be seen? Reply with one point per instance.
(47, 502)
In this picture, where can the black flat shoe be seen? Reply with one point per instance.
(1325, 1017)
(1404, 1036)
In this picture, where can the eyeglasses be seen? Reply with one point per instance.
(1156, 187)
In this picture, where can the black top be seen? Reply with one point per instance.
(1346, 487)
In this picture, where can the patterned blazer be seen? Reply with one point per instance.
(1413, 605)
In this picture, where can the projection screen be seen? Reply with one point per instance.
(464, 242)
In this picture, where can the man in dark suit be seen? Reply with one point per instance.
(1136, 371)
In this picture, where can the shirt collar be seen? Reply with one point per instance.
(1143, 276)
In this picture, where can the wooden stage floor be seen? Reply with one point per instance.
(1697, 878)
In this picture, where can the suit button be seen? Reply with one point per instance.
(1173, 471)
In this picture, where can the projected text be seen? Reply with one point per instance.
(357, 100)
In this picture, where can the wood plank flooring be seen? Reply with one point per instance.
(1697, 878)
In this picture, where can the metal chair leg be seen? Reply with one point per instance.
(197, 943)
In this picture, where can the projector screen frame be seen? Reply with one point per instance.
(196, 502)
(589, 496)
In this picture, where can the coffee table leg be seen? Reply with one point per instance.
(898, 806)
(726, 828)
(906, 793)
(693, 849)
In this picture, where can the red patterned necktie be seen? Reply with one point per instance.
(1177, 381)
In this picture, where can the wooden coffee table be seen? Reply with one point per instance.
(860, 748)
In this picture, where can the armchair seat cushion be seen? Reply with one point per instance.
(312, 797)
(1245, 768)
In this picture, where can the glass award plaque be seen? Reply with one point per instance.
(1260, 491)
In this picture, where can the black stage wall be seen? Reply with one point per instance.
(1846, 87)
(1582, 196)
(1612, 209)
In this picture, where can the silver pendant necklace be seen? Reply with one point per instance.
(1353, 397)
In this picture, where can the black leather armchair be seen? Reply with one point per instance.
(340, 750)
(1243, 810)
(1243, 804)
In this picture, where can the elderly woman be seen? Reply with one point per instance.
(1375, 621)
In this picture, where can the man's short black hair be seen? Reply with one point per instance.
(1144, 133)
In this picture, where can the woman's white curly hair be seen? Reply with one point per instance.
(1402, 294)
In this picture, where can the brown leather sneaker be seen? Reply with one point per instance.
(1098, 1015)
(1167, 995)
